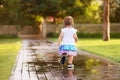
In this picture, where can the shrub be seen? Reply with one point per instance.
(115, 35)
(8, 36)
(86, 35)
(89, 35)
(52, 34)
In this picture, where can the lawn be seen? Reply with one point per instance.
(108, 49)
(8, 51)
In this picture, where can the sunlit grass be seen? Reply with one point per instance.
(8, 51)
(109, 49)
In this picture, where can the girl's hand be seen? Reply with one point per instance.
(58, 44)
(60, 38)
(75, 37)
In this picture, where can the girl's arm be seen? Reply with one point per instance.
(75, 37)
(60, 38)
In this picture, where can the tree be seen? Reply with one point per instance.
(56, 8)
(42, 8)
(33, 9)
(115, 11)
(106, 23)
(76, 8)
(26, 11)
(29, 9)
(93, 12)
(9, 11)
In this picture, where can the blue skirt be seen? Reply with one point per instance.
(67, 48)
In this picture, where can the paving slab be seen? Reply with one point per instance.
(39, 60)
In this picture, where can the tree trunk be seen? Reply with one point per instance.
(106, 23)
(40, 29)
(44, 29)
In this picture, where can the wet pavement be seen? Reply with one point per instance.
(38, 60)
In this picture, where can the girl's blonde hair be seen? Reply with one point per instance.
(68, 21)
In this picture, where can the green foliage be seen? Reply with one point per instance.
(9, 12)
(115, 35)
(32, 8)
(90, 35)
(83, 11)
(92, 13)
(8, 36)
(41, 7)
(115, 11)
(52, 34)
(86, 35)
(24, 12)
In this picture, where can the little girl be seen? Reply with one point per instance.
(66, 41)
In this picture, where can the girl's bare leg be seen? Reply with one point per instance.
(70, 59)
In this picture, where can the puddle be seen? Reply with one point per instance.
(47, 63)
(86, 68)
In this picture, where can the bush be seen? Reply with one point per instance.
(86, 35)
(115, 35)
(51, 34)
(8, 36)
(90, 35)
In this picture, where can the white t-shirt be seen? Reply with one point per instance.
(68, 38)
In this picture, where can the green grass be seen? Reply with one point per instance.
(108, 49)
(8, 51)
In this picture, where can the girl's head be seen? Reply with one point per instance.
(68, 21)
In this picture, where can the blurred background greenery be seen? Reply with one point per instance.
(84, 11)
(21, 13)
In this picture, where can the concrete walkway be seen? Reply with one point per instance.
(38, 60)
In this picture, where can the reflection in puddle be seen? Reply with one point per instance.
(68, 75)
(86, 68)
